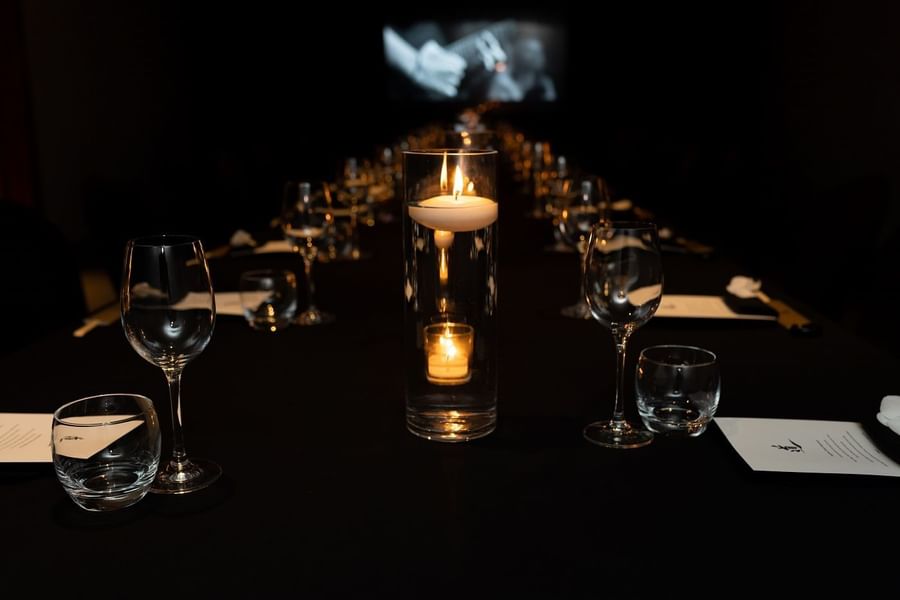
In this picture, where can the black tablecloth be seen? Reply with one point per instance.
(325, 491)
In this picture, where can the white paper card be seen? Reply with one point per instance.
(799, 446)
(25, 437)
(701, 307)
(234, 301)
(84, 442)
(227, 303)
(191, 301)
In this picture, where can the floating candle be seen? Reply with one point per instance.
(454, 212)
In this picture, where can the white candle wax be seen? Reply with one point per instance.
(448, 369)
(449, 213)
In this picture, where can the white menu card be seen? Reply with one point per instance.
(25, 437)
(799, 446)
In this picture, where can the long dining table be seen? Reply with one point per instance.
(325, 492)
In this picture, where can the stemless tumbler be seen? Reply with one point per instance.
(106, 449)
(268, 298)
(677, 389)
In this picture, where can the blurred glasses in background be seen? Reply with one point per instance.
(578, 217)
(268, 298)
(307, 221)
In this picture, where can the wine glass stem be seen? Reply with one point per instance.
(618, 418)
(179, 455)
(310, 287)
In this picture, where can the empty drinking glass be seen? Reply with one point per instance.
(307, 221)
(580, 214)
(106, 449)
(168, 314)
(677, 389)
(269, 298)
(623, 282)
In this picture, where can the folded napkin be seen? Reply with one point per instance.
(242, 238)
(744, 287)
(889, 416)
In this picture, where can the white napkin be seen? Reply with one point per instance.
(744, 287)
(890, 413)
(242, 238)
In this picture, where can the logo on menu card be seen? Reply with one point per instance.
(792, 446)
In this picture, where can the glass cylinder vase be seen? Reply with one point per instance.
(450, 292)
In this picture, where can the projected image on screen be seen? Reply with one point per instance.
(473, 61)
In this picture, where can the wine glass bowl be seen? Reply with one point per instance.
(623, 283)
(168, 313)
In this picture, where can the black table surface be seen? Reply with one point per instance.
(326, 492)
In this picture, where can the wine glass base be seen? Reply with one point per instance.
(308, 318)
(577, 311)
(617, 435)
(191, 476)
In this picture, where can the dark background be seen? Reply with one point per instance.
(769, 131)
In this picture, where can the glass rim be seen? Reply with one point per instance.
(712, 358)
(461, 152)
(99, 423)
(163, 240)
(440, 327)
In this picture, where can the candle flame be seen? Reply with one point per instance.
(444, 175)
(448, 346)
(471, 187)
(457, 182)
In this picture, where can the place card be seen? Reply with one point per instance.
(702, 307)
(25, 437)
(801, 446)
(227, 303)
(84, 442)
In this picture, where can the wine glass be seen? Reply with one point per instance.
(168, 314)
(576, 220)
(623, 283)
(307, 221)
